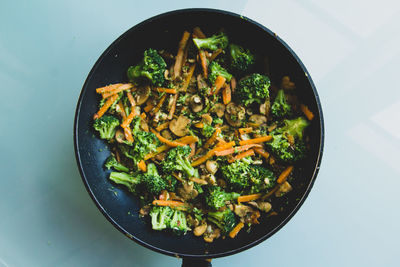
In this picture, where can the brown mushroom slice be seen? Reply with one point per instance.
(242, 210)
(200, 230)
(144, 126)
(187, 192)
(196, 104)
(264, 107)
(201, 82)
(234, 114)
(142, 93)
(179, 125)
(119, 136)
(212, 166)
(283, 189)
(258, 119)
(206, 118)
(218, 109)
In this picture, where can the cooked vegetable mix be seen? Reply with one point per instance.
(206, 141)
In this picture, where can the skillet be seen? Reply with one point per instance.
(164, 32)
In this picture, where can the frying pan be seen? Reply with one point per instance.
(164, 32)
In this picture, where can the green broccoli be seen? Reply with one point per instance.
(178, 222)
(252, 88)
(212, 43)
(171, 183)
(207, 130)
(241, 59)
(216, 197)
(282, 147)
(111, 162)
(152, 68)
(225, 220)
(215, 70)
(160, 217)
(153, 182)
(261, 179)
(280, 108)
(236, 174)
(177, 160)
(131, 181)
(106, 126)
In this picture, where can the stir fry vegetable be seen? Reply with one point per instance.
(204, 140)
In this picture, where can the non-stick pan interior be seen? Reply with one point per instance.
(164, 32)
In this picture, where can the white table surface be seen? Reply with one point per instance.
(352, 51)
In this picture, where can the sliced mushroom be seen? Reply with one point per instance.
(161, 156)
(234, 114)
(264, 206)
(187, 191)
(200, 230)
(179, 126)
(212, 166)
(287, 84)
(142, 93)
(196, 103)
(258, 119)
(283, 189)
(264, 107)
(119, 136)
(207, 119)
(242, 210)
(145, 210)
(201, 82)
(144, 125)
(218, 109)
(166, 134)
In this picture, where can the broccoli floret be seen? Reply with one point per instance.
(171, 183)
(236, 174)
(280, 108)
(207, 130)
(178, 222)
(131, 181)
(212, 43)
(106, 126)
(261, 179)
(111, 162)
(225, 220)
(282, 147)
(241, 59)
(153, 182)
(216, 197)
(253, 88)
(215, 70)
(160, 217)
(177, 160)
(198, 214)
(152, 68)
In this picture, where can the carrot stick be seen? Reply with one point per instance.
(233, 84)
(215, 54)
(120, 88)
(184, 140)
(247, 198)
(179, 56)
(131, 99)
(170, 203)
(199, 33)
(270, 193)
(211, 153)
(212, 139)
(199, 125)
(219, 82)
(221, 146)
(307, 112)
(226, 94)
(188, 139)
(188, 78)
(159, 150)
(245, 130)
(121, 107)
(247, 153)
(221, 141)
(149, 106)
(105, 107)
(129, 119)
(262, 152)
(128, 134)
(162, 126)
(179, 178)
(253, 124)
(166, 90)
(284, 175)
(257, 140)
(166, 141)
(236, 149)
(236, 230)
(108, 88)
(143, 115)
(193, 150)
(173, 107)
(203, 63)
(159, 105)
(142, 166)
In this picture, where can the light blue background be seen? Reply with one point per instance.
(351, 49)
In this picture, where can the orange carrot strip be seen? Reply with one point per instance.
(262, 152)
(307, 112)
(131, 99)
(236, 149)
(226, 94)
(129, 119)
(105, 107)
(166, 141)
(193, 150)
(148, 107)
(159, 105)
(225, 146)
(233, 84)
(245, 130)
(215, 54)
(121, 107)
(142, 166)
(162, 126)
(221, 141)
(213, 138)
(253, 124)
(188, 139)
(173, 107)
(184, 140)
(179, 56)
(188, 78)
(219, 82)
(199, 33)
(199, 125)
(170, 203)
(247, 153)
(257, 140)
(128, 134)
(166, 90)
(284, 175)
(177, 177)
(143, 116)
(120, 88)
(270, 193)
(247, 198)
(108, 88)
(159, 150)
(211, 153)
(203, 63)
(236, 230)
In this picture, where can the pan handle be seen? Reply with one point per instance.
(193, 262)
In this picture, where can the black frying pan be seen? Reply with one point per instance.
(164, 32)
